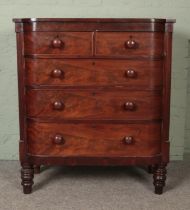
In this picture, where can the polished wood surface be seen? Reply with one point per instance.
(90, 72)
(94, 92)
(124, 43)
(65, 43)
(93, 24)
(94, 104)
(94, 139)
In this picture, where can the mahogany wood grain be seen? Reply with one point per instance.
(111, 57)
(118, 43)
(90, 72)
(94, 104)
(94, 92)
(65, 43)
(94, 139)
(166, 95)
(22, 100)
(91, 24)
(95, 161)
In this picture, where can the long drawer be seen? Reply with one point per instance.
(91, 72)
(81, 139)
(94, 104)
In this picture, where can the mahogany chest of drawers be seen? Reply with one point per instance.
(94, 92)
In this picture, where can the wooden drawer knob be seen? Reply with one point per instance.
(58, 139)
(130, 73)
(128, 139)
(57, 73)
(57, 43)
(129, 106)
(58, 105)
(130, 44)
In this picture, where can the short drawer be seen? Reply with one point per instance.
(62, 43)
(79, 139)
(89, 72)
(94, 104)
(130, 44)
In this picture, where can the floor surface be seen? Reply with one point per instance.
(95, 188)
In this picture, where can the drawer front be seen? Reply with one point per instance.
(94, 104)
(94, 139)
(63, 43)
(129, 44)
(132, 74)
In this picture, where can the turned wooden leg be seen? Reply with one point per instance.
(27, 175)
(36, 169)
(159, 177)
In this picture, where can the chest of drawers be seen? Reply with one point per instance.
(94, 92)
